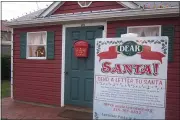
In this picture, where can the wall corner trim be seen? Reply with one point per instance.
(12, 34)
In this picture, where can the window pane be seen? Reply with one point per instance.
(37, 38)
(145, 31)
(37, 51)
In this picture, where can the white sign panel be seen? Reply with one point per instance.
(130, 78)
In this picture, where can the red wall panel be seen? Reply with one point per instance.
(38, 80)
(173, 81)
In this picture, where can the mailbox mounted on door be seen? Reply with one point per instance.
(81, 48)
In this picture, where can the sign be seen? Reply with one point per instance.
(81, 48)
(130, 78)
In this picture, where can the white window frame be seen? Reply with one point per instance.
(27, 50)
(145, 26)
(86, 5)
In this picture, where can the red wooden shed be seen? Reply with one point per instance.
(44, 68)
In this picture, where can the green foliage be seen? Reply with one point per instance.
(5, 67)
(5, 89)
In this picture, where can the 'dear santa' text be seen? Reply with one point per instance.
(137, 69)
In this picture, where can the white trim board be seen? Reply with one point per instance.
(128, 4)
(85, 5)
(12, 96)
(63, 49)
(51, 8)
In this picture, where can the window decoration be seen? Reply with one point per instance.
(84, 3)
(145, 31)
(36, 45)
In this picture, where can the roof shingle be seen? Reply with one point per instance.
(30, 16)
(35, 14)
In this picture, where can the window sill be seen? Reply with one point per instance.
(36, 58)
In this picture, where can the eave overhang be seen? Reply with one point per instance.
(102, 14)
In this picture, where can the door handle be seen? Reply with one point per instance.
(65, 73)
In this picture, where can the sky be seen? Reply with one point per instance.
(12, 10)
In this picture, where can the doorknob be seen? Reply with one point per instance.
(65, 73)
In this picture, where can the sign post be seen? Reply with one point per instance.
(130, 78)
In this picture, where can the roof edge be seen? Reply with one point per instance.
(102, 15)
(131, 5)
(53, 7)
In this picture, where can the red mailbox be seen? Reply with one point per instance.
(81, 48)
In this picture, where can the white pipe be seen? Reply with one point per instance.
(12, 63)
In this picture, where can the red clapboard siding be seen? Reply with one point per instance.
(173, 81)
(38, 80)
(73, 6)
(35, 98)
(140, 22)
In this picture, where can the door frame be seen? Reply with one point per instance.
(64, 26)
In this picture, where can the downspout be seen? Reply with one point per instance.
(12, 34)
